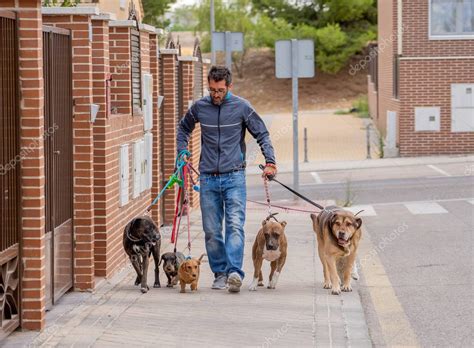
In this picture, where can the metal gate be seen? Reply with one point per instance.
(9, 177)
(198, 72)
(58, 162)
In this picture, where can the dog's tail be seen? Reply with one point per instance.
(200, 258)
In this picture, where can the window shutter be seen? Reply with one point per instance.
(137, 163)
(147, 96)
(136, 73)
(124, 176)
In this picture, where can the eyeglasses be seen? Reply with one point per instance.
(217, 91)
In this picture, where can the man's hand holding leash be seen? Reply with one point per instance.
(270, 171)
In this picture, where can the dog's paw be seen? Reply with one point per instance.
(169, 285)
(346, 288)
(327, 285)
(355, 272)
(261, 284)
(144, 289)
(336, 291)
(157, 286)
(182, 291)
(253, 285)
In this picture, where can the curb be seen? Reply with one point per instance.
(368, 163)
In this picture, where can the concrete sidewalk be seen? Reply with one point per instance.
(298, 313)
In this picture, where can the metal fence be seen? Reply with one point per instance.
(57, 69)
(9, 176)
(198, 90)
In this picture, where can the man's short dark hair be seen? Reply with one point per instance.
(219, 73)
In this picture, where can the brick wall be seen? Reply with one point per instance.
(156, 177)
(427, 70)
(169, 57)
(194, 145)
(101, 73)
(32, 177)
(120, 69)
(121, 128)
(428, 83)
(416, 42)
(83, 157)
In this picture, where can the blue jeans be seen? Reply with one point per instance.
(224, 196)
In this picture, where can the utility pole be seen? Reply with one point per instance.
(213, 29)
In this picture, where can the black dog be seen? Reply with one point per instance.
(141, 239)
(171, 265)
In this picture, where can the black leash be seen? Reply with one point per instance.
(293, 191)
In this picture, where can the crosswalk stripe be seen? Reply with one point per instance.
(368, 210)
(425, 208)
(439, 170)
(316, 177)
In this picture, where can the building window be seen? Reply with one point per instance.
(396, 76)
(451, 18)
(136, 72)
(373, 65)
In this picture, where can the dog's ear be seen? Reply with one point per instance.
(264, 222)
(358, 222)
(283, 224)
(200, 259)
(314, 217)
(332, 219)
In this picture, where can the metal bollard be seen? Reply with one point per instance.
(305, 145)
(368, 141)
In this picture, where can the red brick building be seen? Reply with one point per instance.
(421, 82)
(83, 148)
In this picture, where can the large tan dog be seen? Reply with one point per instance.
(271, 245)
(188, 273)
(338, 233)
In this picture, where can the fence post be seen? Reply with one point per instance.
(368, 141)
(306, 145)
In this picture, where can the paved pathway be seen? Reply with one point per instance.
(298, 313)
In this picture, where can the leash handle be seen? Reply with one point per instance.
(293, 191)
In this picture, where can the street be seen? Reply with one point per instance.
(416, 257)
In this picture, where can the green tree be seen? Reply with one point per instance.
(183, 19)
(232, 15)
(155, 12)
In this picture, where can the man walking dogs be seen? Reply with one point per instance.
(224, 119)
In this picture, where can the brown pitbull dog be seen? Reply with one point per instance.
(188, 273)
(338, 233)
(271, 245)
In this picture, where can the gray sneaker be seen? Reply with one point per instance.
(220, 282)
(235, 282)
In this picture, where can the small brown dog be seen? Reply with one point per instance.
(188, 273)
(271, 245)
(338, 232)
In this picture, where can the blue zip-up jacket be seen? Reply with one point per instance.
(223, 133)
